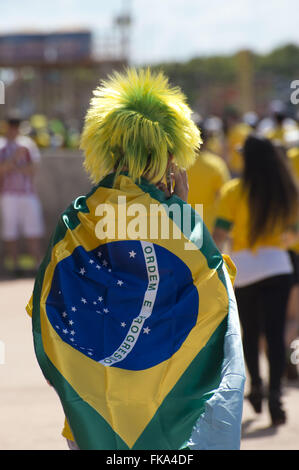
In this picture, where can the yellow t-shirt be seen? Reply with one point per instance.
(278, 134)
(293, 155)
(206, 178)
(214, 144)
(233, 215)
(235, 138)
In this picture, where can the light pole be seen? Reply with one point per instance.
(124, 22)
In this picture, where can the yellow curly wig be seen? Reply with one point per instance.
(135, 121)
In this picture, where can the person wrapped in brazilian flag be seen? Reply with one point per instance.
(134, 318)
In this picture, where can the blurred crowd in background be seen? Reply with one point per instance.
(49, 133)
(223, 134)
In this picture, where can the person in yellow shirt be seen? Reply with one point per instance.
(293, 155)
(285, 129)
(278, 132)
(205, 178)
(214, 136)
(258, 211)
(236, 131)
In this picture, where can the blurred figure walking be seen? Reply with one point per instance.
(259, 211)
(20, 207)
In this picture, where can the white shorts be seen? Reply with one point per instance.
(21, 214)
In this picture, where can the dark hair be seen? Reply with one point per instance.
(13, 121)
(272, 189)
(279, 117)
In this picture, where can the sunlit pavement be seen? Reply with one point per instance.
(257, 432)
(31, 416)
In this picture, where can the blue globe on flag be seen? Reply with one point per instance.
(126, 304)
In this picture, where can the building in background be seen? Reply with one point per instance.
(52, 74)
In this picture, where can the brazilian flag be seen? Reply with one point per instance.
(139, 337)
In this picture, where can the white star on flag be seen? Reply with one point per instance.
(91, 261)
(106, 310)
(98, 266)
(84, 301)
(74, 309)
(123, 324)
(132, 254)
(120, 283)
(146, 330)
(105, 263)
(82, 271)
(72, 332)
(71, 322)
(99, 254)
(64, 314)
(65, 331)
(100, 299)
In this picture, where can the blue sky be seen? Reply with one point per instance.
(167, 29)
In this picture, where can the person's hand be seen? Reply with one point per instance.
(181, 188)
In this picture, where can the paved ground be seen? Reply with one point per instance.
(30, 414)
